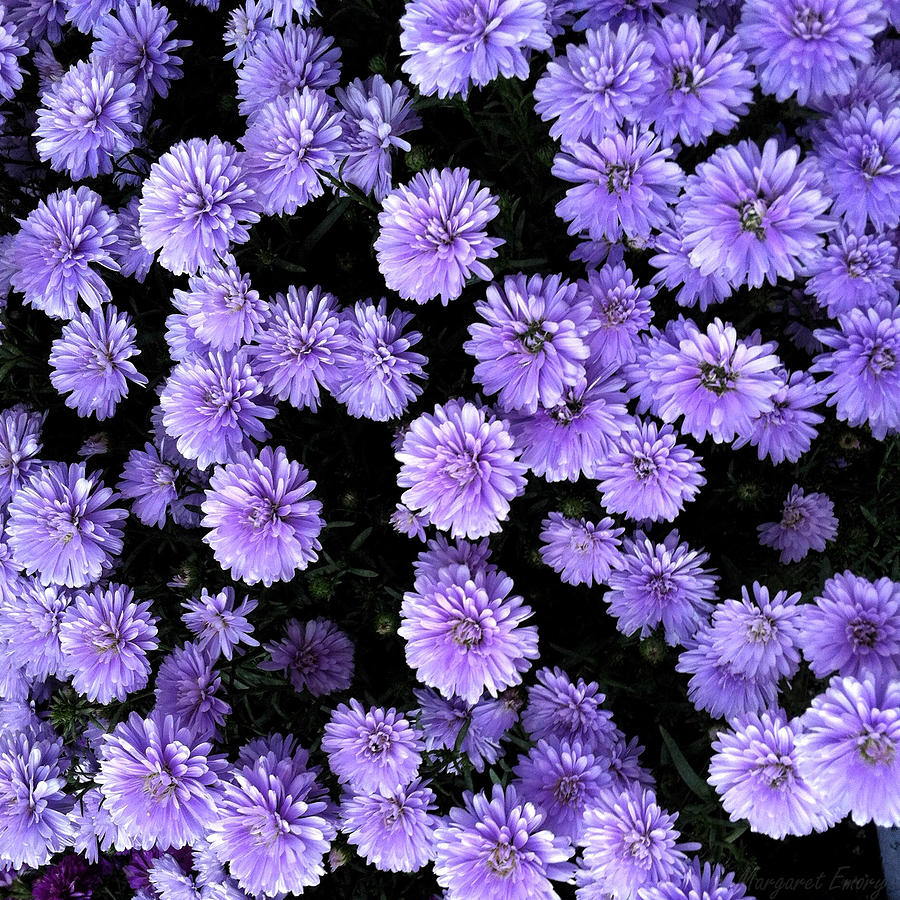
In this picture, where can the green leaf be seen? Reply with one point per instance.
(697, 785)
(360, 539)
(363, 573)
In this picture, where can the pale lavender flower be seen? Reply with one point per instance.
(582, 552)
(20, 444)
(676, 270)
(30, 625)
(247, 26)
(12, 46)
(807, 523)
(698, 881)
(316, 656)
(406, 521)
(217, 624)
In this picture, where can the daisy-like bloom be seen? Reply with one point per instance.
(641, 12)
(465, 635)
(392, 828)
(86, 119)
(12, 46)
(405, 521)
(247, 26)
(450, 45)
(283, 11)
(159, 782)
(54, 253)
(441, 553)
(754, 770)
(848, 749)
(808, 47)
(661, 584)
(697, 881)
(807, 523)
(562, 780)
(262, 527)
(699, 86)
(630, 842)
(496, 848)
(863, 380)
(20, 443)
(61, 525)
(582, 552)
(34, 809)
(136, 43)
(211, 407)
(284, 61)
(648, 475)
(569, 711)
(291, 144)
(221, 308)
(370, 750)
(105, 637)
(621, 757)
(316, 656)
(373, 376)
(853, 628)
(217, 624)
(30, 626)
(753, 216)
(678, 273)
(460, 468)
(171, 882)
(133, 258)
(625, 184)
(717, 381)
(187, 689)
(432, 236)
(91, 361)
(94, 830)
(531, 345)
(596, 85)
(195, 203)
(376, 114)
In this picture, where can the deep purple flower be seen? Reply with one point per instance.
(72, 878)
(431, 235)
(12, 46)
(261, 526)
(452, 44)
(676, 270)
(753, 216)
(807, 523)
(105, 637)
(195, 203)
(248, 25)
(217, 624)
(582, 552)
(460, 468)
(61, 525)
(316, 656)
(496, 848)
(20, 443)
(32, 616)
(39, 19)
(54, 253)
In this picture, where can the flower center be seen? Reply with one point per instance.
(467, 632)
(502, 859)
(717, 378)
(875, 747)
(618, 178)
(761, 630)
(379, 741)
(775, 771)
(683, 77)
(792, 516)
(644, 466)
(534, 337)
(463, 470)
(751, 214)
(881, 359)
(862, 633)
(569, 789)
(808, 24)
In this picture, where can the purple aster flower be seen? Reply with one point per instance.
(292, 143)
(642, 12)
(753, 216)
(621, 758)
(452, 44)
(808, 47)
(582, 552)
(261, 526)
(863, 376)
(559, 708)
(171, 882)
(371, 750)
(316, 656)
(159, 782)
(460, 468)
(34, 810)
(431, 236)
(94, 830)
(630, 842)
(698, 881)
(12, 46)
(406, 521)
(211, 409)
(61, 525)
(699, 86)
(596, 85)
(195, 203)
(104, 638)
(625, 184)
(133, 258)
(375, 115)
(496, 848)
(86, 119)
(848, 749)
(465, 634)
(54, 252)
(853, 628)
(71, 877)
(648, 475)
(248, 25)
(531, 346)
(872, 84)
(187, 689)
(30, 625)
(562, 780)
(754, 770)
(20, 443)
(38, 19)
(283, 11)
(807, 523)
(661, 584)
(217, 624)
(91, 361)
(374, 374)
(221, 308)
(284, 61)
(392, 828)
(676, 270)
(441, 554)
(136, 43)
(85, 15)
